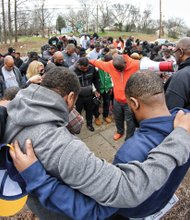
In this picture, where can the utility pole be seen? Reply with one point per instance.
(160, 29)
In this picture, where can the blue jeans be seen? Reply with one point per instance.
(122, 113)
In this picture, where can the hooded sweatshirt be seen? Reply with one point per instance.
(41, 114)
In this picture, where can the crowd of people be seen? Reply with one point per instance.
(71, 76)
(97, 85)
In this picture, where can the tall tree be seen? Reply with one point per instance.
(4, 22)
(44, 15)
(1, 35)
(176, 27)
(87, 6)
(60, 23)
(75, 19)
(15, 21)
(103, 14)
(10, 21)
(121, 13)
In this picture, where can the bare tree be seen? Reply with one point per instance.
(1, 34)
(10, 21)
(121, 13)
(15, 20)
(24, 19)
(104, 15)
(146, 22)
(4, 22)
(176, 27)
(86, 8)
(44, 15)
(17, 3)
(76, 20)
(133, 18)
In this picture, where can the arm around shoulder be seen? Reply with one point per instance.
(129, 184)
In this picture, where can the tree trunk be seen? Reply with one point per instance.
(43, 21)
(9, 21)
(1, 35)
(16, 26)
(4, 23)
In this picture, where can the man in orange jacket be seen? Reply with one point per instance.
(120, 69)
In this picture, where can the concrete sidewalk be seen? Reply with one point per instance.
(101, 140)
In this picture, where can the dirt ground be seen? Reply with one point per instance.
(25, 45)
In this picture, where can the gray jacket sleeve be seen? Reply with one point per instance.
(132, 183)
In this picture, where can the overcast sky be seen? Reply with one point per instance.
(170, 8)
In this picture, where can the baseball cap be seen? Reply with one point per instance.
(11, 50)
(13, 196)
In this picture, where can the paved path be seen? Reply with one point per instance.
(101, 140)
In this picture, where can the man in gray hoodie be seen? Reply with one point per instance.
(40, 112)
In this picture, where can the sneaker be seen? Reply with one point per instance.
(98, 122)
(117, 136)
(90, 128)
(108, 120)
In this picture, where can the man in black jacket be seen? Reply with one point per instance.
(178, 86)
(53, 41)
(88, 77)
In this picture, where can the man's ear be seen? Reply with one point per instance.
(181, 52)
(134, 103)
(70, 99)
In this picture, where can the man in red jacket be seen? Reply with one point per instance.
(120, 69)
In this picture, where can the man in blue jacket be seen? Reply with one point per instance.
(146, 98)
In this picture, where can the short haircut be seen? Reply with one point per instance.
(92, 46)
(143, 85)
(83, 61)
(108, 57)
(70, 46)
(33, 55)
(118, 61)
(61, 80)
(10, 93)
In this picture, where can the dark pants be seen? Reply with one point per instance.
(122, 113)
(106, 103)
(96, 112)
(85, 102)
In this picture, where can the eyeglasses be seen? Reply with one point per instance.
(41, 72)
